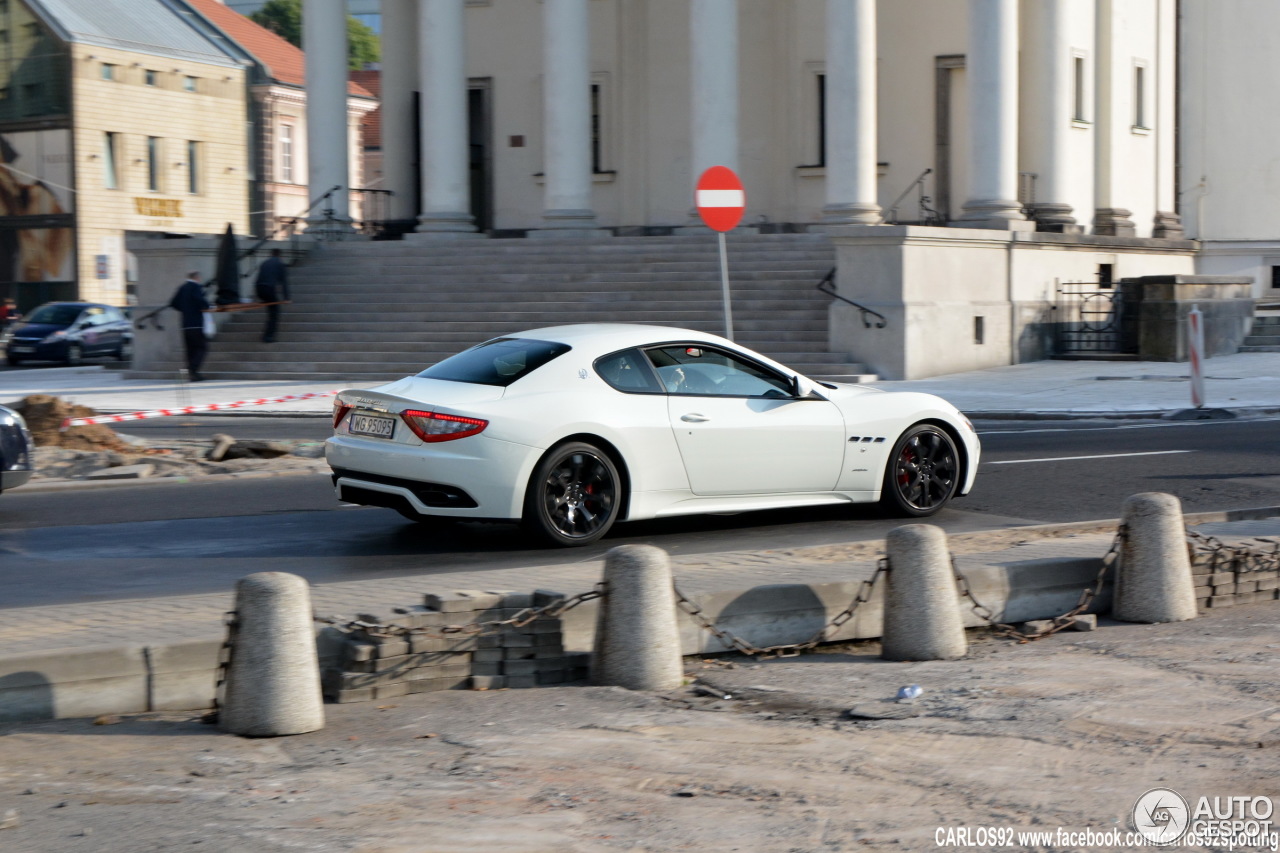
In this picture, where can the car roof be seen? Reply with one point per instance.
(608, 337)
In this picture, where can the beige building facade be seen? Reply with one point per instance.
(161, 147)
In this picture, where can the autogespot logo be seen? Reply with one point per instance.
(1161, 816)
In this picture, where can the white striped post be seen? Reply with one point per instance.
(1195, 345)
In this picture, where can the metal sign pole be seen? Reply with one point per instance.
(724, 284)
(1195, 344)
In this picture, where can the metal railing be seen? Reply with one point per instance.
(928, 216)
(828, 286)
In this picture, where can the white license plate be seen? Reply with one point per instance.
(369, 425)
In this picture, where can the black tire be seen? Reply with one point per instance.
(75, 355)
(574, 495)
(14, 360)
(922, 473)
(125, 352)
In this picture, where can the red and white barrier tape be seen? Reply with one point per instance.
(186, 410)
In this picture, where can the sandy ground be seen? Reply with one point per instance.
(1066, 732)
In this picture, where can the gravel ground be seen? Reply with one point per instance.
(1065, 732)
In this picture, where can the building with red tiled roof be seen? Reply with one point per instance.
(277, 82)
(371, 127)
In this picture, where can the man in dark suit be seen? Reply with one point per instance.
(272, 287)
(189, 301)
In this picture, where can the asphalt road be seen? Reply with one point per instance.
(165, 539)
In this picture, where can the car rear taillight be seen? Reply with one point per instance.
(340, 410)
(435, 426)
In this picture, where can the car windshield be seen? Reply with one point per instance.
(56, 315)
(497, 362)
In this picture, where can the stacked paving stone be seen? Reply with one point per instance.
(1232, 576)
(383, 664)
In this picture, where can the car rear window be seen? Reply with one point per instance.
(497, 362)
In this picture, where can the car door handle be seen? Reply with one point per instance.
(694, 418)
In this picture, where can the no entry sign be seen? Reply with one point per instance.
(720, 198)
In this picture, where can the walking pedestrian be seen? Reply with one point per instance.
(272, 287)
(189, 301)
(9, 313)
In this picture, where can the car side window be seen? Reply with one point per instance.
(699, 371)
(628, 371)
(92, 317)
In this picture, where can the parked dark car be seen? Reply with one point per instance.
(17, 454)
(70, 332)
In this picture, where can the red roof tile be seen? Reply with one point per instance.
(285, 62)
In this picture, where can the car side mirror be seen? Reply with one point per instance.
(804, 387)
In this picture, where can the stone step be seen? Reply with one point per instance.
(1256, 340)
(607, 246)
(378, 311)
(1250, 348)
(436, 304)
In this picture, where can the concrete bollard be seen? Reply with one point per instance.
(921, 607)
(637, 644)
(1153, 579)
(273, 681)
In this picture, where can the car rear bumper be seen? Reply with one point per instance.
(13, 479)
(472, 477)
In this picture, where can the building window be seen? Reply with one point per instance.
(822, 120)
(193, 166)
(153, 164)
(595, 129)
(1140, 97)
(286, 153)
(150, 77)
(1275, 278)
(110, 160)
(1078, 88)
(189, 84)
(108, 71)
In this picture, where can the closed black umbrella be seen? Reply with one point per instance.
(228, 272)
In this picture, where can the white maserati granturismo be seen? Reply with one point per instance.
(573, 428)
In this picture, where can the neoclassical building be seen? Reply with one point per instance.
(972, 160)
(1047, 115)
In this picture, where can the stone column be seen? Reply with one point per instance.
(851, 113)
(1108, 219)
(446, 182)
(713, 44)
(399, 83)
(991, 66)
(566, 92)
(1168, 224)
(1050, 85)
(324, 33)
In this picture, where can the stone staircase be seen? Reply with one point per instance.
(1265, 335)
(377, 311)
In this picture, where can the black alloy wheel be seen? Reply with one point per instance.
(573, 497)
(75, 355)
(923, 472)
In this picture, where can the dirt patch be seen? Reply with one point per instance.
(1065, 732)
(45, 415)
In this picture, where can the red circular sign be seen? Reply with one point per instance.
(720, 198)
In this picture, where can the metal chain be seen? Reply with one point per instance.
(1237, 558)
(442, 632)
(1001, 629)
(232, 620)
(736, 643)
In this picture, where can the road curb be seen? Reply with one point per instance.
(76, 485)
